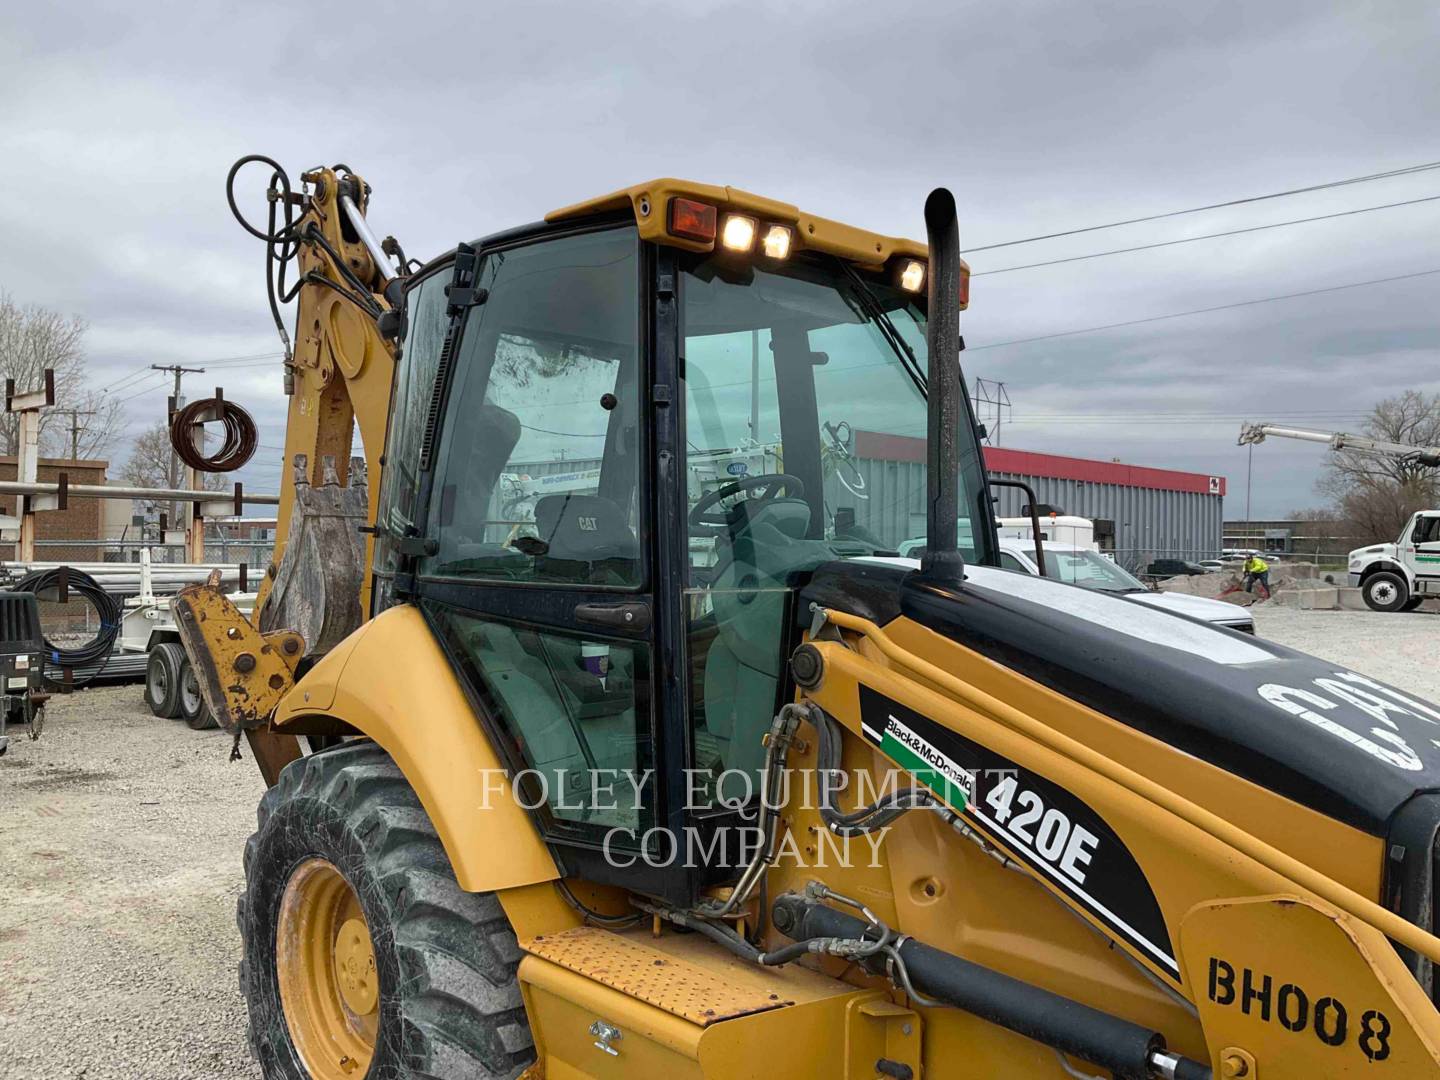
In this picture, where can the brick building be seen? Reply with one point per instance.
(72, 534)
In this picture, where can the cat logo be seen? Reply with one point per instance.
(587, 524)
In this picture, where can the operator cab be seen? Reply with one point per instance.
(622, 459)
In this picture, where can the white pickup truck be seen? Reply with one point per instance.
(1399, 576)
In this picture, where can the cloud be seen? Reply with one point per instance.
(1041, 114)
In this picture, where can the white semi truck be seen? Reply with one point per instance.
(1399, 576)
(1391, 577)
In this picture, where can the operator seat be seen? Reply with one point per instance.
(585, 539)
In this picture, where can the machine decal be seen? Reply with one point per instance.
(1376, 700)
(1042, 824)
(1298, 1010)
(928, 764)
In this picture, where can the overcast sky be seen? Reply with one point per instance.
(1044, 115)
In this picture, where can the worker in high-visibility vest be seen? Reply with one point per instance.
(1257, 569)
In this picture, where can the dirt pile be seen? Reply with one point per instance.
(1228, 585)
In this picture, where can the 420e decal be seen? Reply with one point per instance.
(1042, 824)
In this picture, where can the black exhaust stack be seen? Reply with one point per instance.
(942, 561)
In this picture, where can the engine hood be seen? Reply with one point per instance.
(1197, 607)
(1339, 742)
(1386, 550)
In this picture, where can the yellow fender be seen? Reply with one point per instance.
(390, 681)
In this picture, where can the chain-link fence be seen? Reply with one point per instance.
(1159, 563)
(218, 549)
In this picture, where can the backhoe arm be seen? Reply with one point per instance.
(338, 373)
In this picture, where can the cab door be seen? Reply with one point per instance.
(1422, 552)
(534, 564)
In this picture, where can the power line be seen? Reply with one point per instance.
(1316, 414)
(222, 361)
(1132, 421)
(1408, 170)
(149, 389)
(1201, 311)
(1207, 236)
(128, 376)
(241, 361)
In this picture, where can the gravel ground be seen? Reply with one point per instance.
(1402, 649)
(120, 842)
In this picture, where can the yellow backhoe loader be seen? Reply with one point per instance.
(672, 767)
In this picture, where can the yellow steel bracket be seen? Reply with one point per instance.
(876, 1029)
(242, 673)
(1289, 988)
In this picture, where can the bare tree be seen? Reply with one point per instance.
(151, 462)
(33, 338)
(1375, 496)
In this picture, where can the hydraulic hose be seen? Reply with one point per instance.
(96, 651)
(281, 244)
(1131, 1051)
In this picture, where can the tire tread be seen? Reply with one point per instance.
(461, 1013)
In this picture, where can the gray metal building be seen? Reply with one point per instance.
(1141, 513)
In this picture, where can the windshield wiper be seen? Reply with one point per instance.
(876, 313)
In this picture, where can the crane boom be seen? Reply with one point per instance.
(1428, 456)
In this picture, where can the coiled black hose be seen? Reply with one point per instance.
(283, 238)
(241, 436)
(96, 651)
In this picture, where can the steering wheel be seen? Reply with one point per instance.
(701, 515)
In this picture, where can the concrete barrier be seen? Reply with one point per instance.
(1350, 599)
(1322, 598)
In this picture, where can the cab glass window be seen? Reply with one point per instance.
(574, 719)
(425, 327)
(805, 425)
(539, 465)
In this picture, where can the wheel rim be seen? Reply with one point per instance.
(1383, 592)
(325, 961)
(157, 682)
(189, 692)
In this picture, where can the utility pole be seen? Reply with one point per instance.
(75, 415)
(176, 401)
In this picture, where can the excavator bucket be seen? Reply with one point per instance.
(316, 591)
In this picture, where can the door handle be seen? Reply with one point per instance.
(631, 616)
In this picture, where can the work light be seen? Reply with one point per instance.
(738, 233)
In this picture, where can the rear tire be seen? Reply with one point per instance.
(162, 679)
(193, 710)
(1385, 591)
(449, 1004)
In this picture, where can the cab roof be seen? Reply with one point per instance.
(650, 203)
